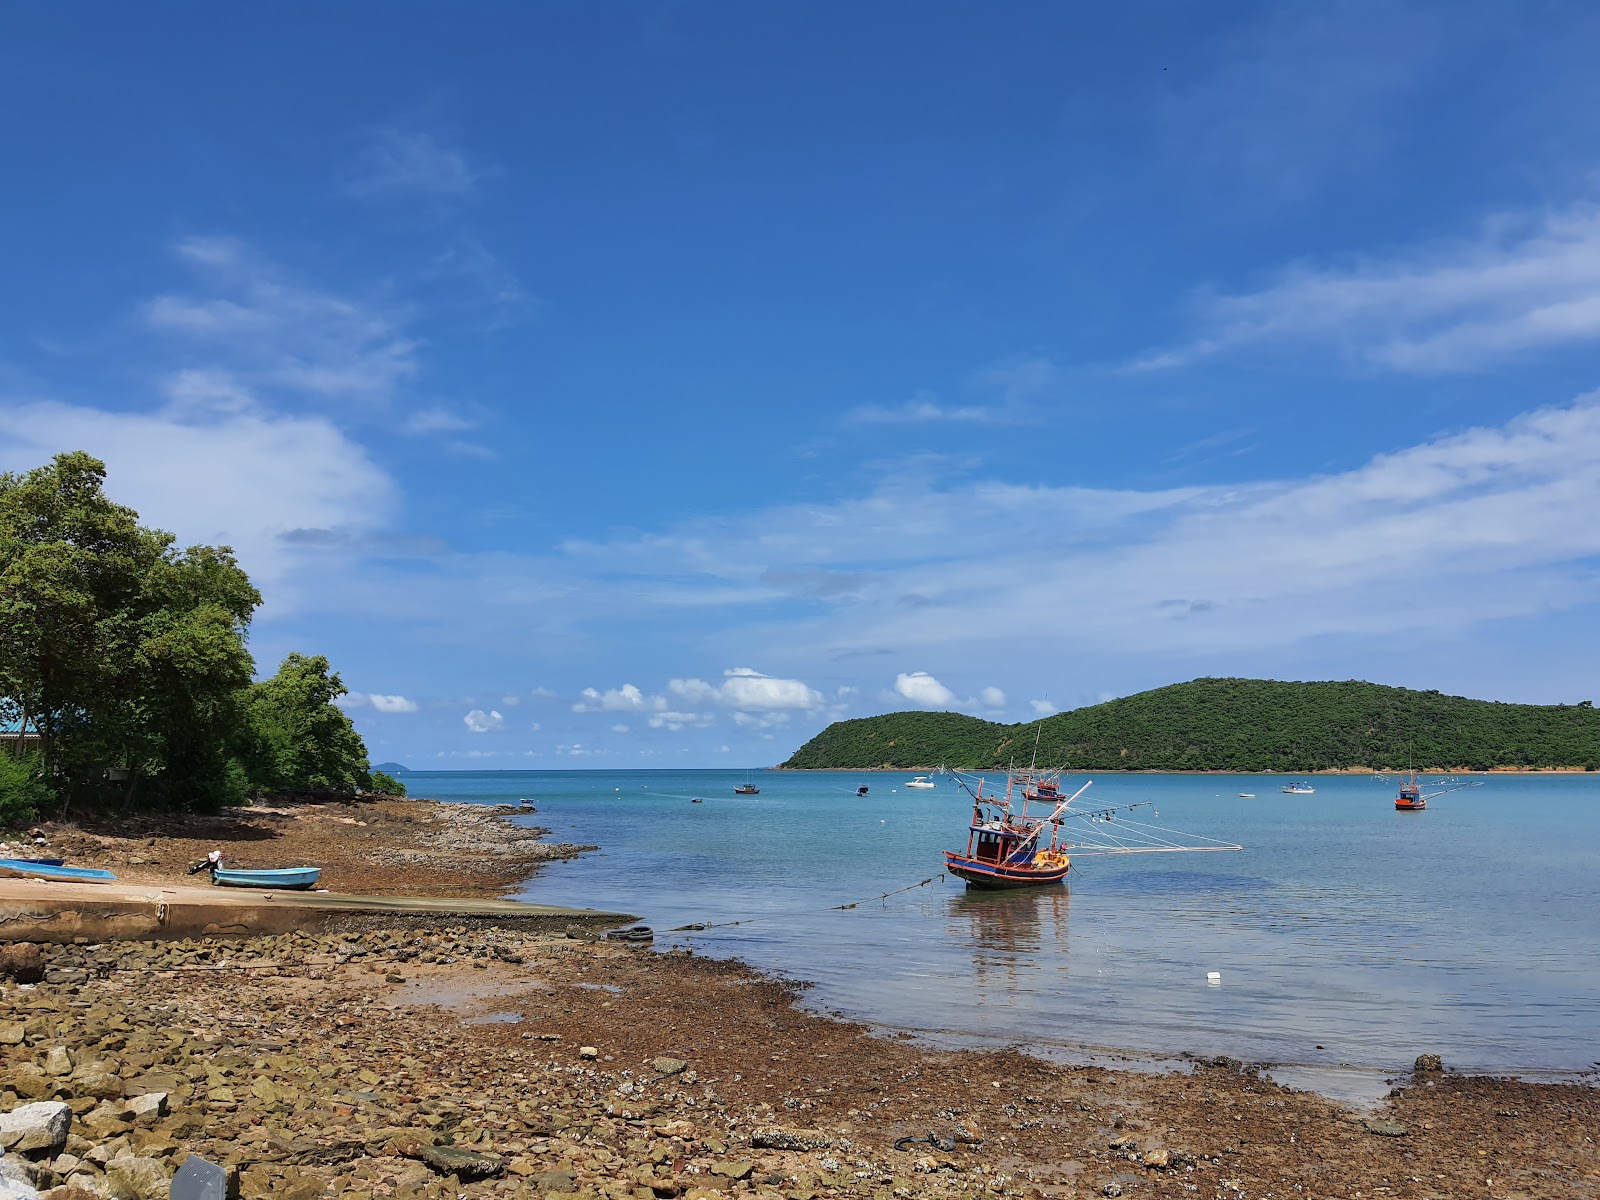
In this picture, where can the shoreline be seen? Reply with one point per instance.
(1356, 771)
(402, 1063)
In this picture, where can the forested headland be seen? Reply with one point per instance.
(1232, 725)
(125, 676)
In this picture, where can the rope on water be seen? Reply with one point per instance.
(698, 926)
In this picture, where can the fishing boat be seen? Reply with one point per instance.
(1412, 798)
(1013, 842)
(30, 868)
(921, 781)
(1298, 789)
(747, 789)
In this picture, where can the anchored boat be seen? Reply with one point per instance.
(1298, 789)
(1412, 799)
(747, 789)
(1010, 845)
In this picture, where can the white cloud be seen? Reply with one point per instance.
(745, 688)
(923, 690)
(510, 701)
(392, 704)
(619, 728)
(1523, 283)
(478, 721)
(992, 697)
(761, 720)
(280, 490)
(397, 163)
(272, 334)
(542, 693)
(627, 698)
(677, 720)
(1041, 708)
(924, 409)
(427, 422)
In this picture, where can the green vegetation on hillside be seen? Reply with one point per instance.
(1231, 725)
(124, 669)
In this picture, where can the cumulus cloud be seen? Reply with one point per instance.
(675, 721)
(1041, 708)
(478, 721)
(923, 690)
(992, 697)
(746, 688)
(392, 704)
(398, 163)
(626, 698)
(619, 728)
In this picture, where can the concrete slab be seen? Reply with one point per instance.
(38, 910)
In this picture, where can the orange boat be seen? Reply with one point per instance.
(1411, 798)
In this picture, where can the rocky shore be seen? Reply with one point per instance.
(431, 1062)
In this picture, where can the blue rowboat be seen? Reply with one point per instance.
(45, 870)
(285, 879)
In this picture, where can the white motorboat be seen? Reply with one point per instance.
(921, 781)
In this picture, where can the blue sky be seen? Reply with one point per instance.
(648, 384)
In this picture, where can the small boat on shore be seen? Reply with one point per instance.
(278, 879)
(1298, 789)
(33, 868)
(747, 789)
(283, 879)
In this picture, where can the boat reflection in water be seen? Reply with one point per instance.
(1015, 937)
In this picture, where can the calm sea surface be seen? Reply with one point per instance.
(1349, 937)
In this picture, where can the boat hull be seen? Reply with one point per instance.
(29, 869)
(979, 874)
(287, 879)
(1410, 805)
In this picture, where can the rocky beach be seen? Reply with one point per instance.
(412, 1057)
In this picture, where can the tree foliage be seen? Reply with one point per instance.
(1232, 725)
(127, 659)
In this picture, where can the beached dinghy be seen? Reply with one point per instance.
(31, 869)
(278, 879)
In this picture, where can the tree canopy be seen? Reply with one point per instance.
(127, 658)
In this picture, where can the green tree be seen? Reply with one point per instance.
(299, 739)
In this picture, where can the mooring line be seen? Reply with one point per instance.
(698, 926)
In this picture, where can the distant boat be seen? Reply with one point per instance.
(747, 789)
(862, 790)
(288, 879)
(921, 781)
(1247, 795)
(1413, 799)
(696, 800)
(34, 869)
(1298, 789)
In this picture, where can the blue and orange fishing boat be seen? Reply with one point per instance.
(1413, 799)
(1012, 842)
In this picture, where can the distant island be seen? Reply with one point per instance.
(390, 767)
(1231, 725)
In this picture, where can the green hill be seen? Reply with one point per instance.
(1231, 725)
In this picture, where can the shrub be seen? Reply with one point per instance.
(386, 783)
(23, 791)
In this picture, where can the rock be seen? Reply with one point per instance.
(466, 1164)
(66, 975)
(776, 1137)
(1384, 1128)
(733, 1170)
(1428, 1062)
(1111, 1189)
(1156, 1158)
(95, 1079)
(21, 961)
(12, 1189)
(151, 1106)
(588, 1052)
(13, 1034)
(670, 1066)
(554, 1181)
(29, 1082)
(138, 1178)
(58, 1061)
(39, 1128)
(19, 1170)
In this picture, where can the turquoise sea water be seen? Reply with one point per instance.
(1347, 934)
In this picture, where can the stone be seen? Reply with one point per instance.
(58, 1061)
(18, 1169)
(39, 1128)
(732, 1169)
(138, 1178)
(1157, 1159)
(12, 1189)
(21, 961)
(1384, 1128)
(554, 1181)
(777, 1137)
(589, 1052)
(1111, 1189)
(465, 1164)
(151, 1106)
(1428, 1062)
(13, 1034)
(670, 1066)
(200, 1179)
(95, 1079)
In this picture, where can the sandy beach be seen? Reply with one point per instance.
(415, 1058)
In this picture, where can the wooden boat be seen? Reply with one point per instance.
(284, 879)
(747, 789)
(1010, 845)
(36, 869)
(1412, 799)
